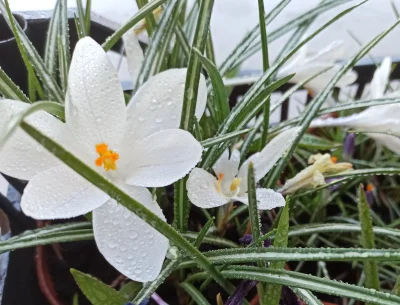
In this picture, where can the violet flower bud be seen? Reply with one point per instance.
(349, 146)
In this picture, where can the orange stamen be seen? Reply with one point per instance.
(334, 159)
(107, 157)
(370, 187)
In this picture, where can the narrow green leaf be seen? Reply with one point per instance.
(97, 292)
(50, 50)
(81, 16)
(314, 107)
(272, 293)
(143, 12)
(367, 240)
(221, 139)
(220, 96)
(310, 141)
(78, 27)
(203, 232)
(151, 23)
(307, 296)
(196, 295)
(30, 56)
(313, 283)
(181, 202)
(10, 90)
(64, 38)
(88, 16)
(63, 64)
(122, 198)
(159, 43)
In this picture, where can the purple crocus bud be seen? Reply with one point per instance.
(369, 194)
(248, 239)
(241, 291)
(288, 297)
(349, 146)
(334, 187)
(145, 302)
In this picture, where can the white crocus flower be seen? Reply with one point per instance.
(306, 65)
(134, 146)
(313, 175)
(230, 183)
(382, 122)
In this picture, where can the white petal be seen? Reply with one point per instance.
(227, 166)
(127, 242)
(390, 141)
(95, 107)
(322, 80)
(332, 52)
(134, 54)
(21, 156)
(158, 104)
(267, 158)
(267, 199)
(161, 158)
(381, 78)
(202, 190)
(59, 193)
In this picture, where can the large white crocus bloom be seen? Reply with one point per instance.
(230, 182)
(134, 146)
(306, 65)
(382, 123)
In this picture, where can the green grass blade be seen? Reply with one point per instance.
(195, 294)
(396, 289)
(122, 198)
(10, 90)
(181, 202)
(88, 16)
(221, 139)
(63, 46)
(151, 23)
(272, 293)
(221, 104)
(203, 233)
(50, 50)
(81, 17)
(143, 12)
(313, 283)
(367, 240)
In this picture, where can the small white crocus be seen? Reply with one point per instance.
(134, 146)
(313, 175)
(380, 122)
(230, 182)
(306, 65)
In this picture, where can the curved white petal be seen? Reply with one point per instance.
(390, 141)
(332, 52)
(134, 54)
(202, 190)
(322, 80)
(381, 78)
(227, 166)
(21, 156)
(161, 158)
(267, 158)
(95, 106)
(59, 193)
(267, 199)
(158, 104)
(127, 242)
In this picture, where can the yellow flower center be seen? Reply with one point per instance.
(235, 184)
(107, 157)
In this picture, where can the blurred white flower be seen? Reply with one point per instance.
(306, 65)
(134, 146)
(230, 184)
(313, 175)
(382, 123)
